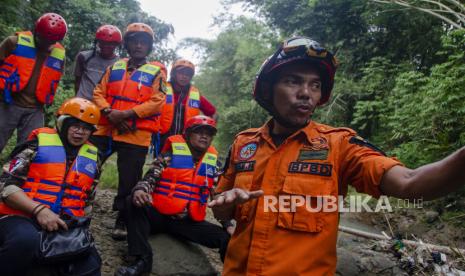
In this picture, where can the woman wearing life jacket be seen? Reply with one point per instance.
(48, 178)
(173, 195)
(183, 101)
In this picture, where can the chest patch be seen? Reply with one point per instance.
(318, 143)
(245, 166)
(90, 168)
(248, 151)
(306, 154)
(310, 168)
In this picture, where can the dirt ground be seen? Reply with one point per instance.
(356, 255)
(114, 253)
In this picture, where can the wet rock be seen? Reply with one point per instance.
(382, 263)
(174, 257)
(440, 226)
(431, 216)
(460, 203)
(346, 263)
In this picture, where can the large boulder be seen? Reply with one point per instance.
(175, 257)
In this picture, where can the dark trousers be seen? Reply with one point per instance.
(19, 251)
(23, 119)
(146, 220)
(130, 162)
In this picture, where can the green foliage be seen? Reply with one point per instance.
(226, 78)
(8, 149)
(400, 83)
(430, 108)
(357, 30)
(236, 118)
(109, 177)
(61, 96)
(83, 18)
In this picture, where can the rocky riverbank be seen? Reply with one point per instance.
(356, 255)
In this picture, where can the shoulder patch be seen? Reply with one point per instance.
(248, 151)
(328, 129)
(357, 140)
(248, 132)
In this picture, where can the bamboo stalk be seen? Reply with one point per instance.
(434, 247)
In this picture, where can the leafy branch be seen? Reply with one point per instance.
(450, 11)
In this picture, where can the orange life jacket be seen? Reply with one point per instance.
(16, 69)
(48, 181)
(125, 92)
(182, 186)
(192, 107)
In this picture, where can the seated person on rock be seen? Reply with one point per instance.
(173, 195)
(50, 177)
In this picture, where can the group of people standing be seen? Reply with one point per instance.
(122, 105)
(127, 105)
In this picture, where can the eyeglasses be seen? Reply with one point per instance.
(300, 45)
(75, 128)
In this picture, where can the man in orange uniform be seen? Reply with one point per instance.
(130, 96)
(183, 101)
(292, 156)
(31, 66)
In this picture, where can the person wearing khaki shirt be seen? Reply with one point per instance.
(293, 159)
(130, 96)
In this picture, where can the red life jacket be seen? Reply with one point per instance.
(183, 186)
(125, 92)
(16, 70)
(49, 183)
(192, 108)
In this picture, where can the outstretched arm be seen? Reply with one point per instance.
(225, 203)
(429, 181)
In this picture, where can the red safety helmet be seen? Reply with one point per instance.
(109, 33)
(51, 26)
(200, 121)
(296, 49)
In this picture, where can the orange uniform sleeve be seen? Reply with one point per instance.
(226, 181)
(363, 165)
(100, 91)
(154, 105)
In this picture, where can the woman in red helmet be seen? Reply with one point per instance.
(173, 195)
(90, 65)
(183, 100)
(31, 66)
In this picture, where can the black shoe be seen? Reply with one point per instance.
(139, 267)
(119, 232)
